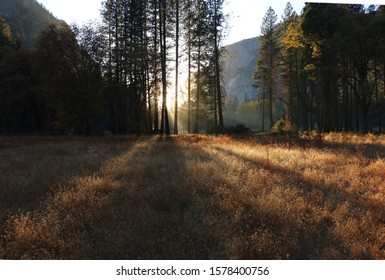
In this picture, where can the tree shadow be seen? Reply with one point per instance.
(330, 192)
(317, 234)
(166, 199)
(369, 150)
(37, 169)
(34, 187)
(141, 206)
(160, 218)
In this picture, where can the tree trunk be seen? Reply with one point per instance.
(189, 86)
(165, 128)
(218, 70)
(198, 82)
(263, 111)
(271, 105)
(176, 68)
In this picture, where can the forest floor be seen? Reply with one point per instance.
(192, 197)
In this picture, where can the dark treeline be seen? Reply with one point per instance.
(116, 76)
(327, 67)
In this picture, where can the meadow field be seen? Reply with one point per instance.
(193, 197)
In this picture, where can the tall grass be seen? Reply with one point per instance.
(192, 197)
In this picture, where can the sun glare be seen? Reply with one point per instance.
(170, 99)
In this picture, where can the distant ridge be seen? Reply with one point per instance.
(239, 67)
(27, 18)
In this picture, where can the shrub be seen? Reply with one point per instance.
(279, 125)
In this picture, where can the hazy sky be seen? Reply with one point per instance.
(245, 15)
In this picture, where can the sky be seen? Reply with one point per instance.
(245, 15)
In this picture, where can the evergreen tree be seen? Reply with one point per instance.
(127, 65)
(188, 17)
(292, 71)
(71, 77)
(164, 7)
(321, 25)
(177, 31)
(268, 62)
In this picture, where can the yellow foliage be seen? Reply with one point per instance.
(5, 33)
(294, 37)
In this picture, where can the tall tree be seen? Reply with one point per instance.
(127, 65)
(188, 13)
(293, 75)
(321, 26)
(177, 8)
(163, 14)
(153, 56)
(366, 30)
(72, 77)
(268, 62)
(218, 19)
(200, 29)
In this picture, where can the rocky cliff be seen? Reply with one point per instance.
(239, 67)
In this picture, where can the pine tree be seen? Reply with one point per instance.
(218, 19)
(177, 9)
(164, 6)
(188, 17)
(268, 63)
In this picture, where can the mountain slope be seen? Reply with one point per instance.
(27, 18)
(239, 67)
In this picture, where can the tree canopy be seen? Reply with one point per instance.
(331, 66)
(115, 76)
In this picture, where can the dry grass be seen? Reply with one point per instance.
(192, 197)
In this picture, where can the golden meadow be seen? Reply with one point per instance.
(193, 197)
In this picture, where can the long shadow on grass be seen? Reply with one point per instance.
(330, 192)
(314, 237)
(154, 215)
(24, 205)
(166, 199)
(141, 205)
(52, 166)
(369, 150)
